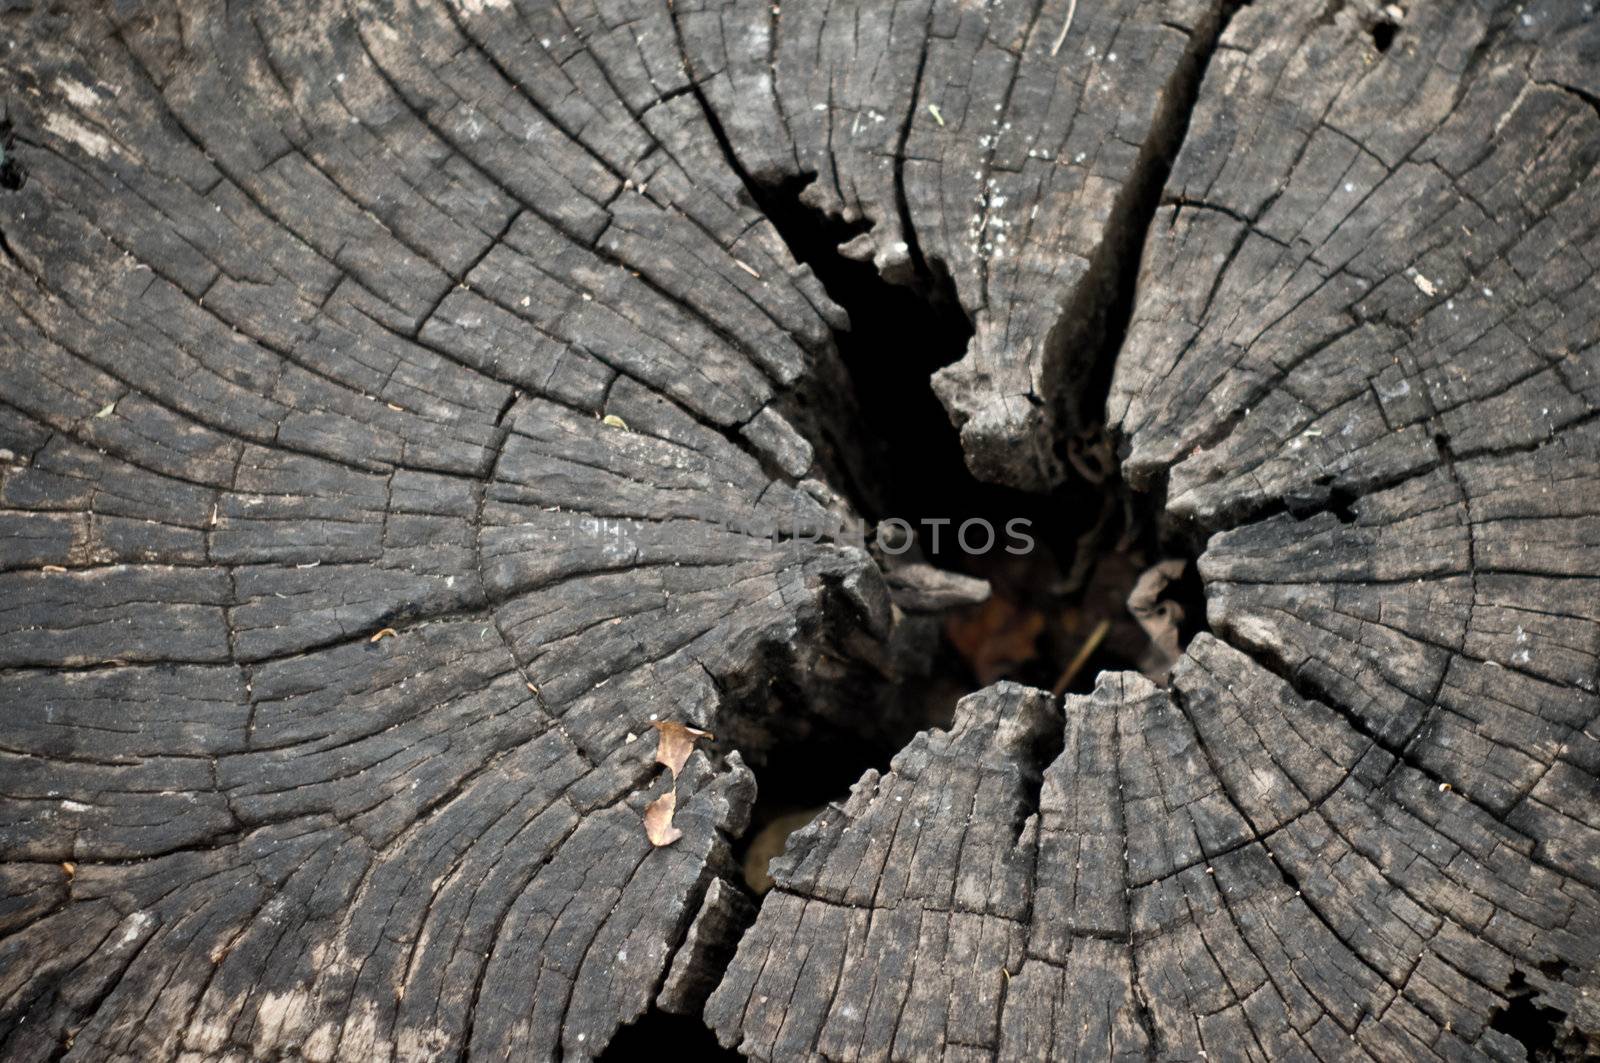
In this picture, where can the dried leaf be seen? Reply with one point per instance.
(614, 421)
(676, 743)
(770, 842)
(996, 637)
(387, 632)
(658, 819)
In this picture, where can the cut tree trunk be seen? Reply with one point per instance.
(403, 405)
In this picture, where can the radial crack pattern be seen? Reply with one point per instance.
(388, 393)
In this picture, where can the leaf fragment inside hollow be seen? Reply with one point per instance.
(676, 742)
(658, 819)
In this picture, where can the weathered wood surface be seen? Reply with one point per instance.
(313, 317)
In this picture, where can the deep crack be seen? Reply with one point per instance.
(1057, 615)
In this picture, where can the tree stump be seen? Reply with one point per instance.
(405, 405)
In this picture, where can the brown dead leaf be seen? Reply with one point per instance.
(770, 842)
(995, 637)
(676, 743)
(658, 819)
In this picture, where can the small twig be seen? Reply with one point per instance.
(1072, 9)
(1085, 651)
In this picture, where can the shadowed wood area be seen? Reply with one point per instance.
(405, 405)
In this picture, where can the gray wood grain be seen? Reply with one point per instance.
(388, 391)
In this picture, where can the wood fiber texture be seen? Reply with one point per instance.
(388, 392)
